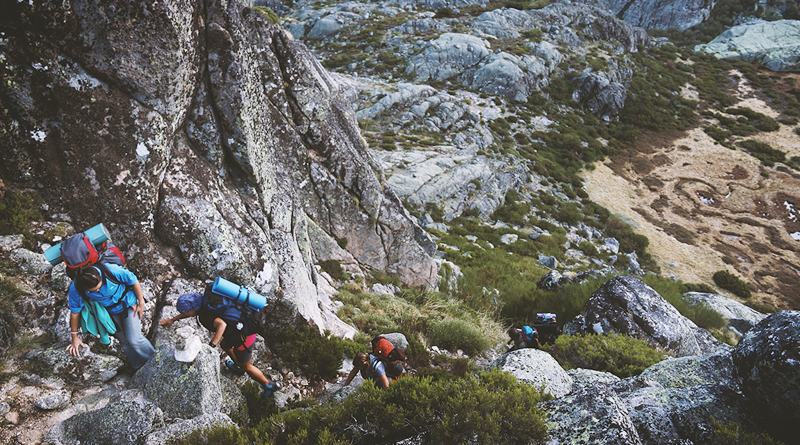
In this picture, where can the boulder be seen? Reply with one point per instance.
(31, 263)
(740, 317)
(683, 415)
(182, 389)
(593, 415)
(56, 400)
(551, 280)
(628, 306)
(767, 365)
(182, 428)
(448, 56)
(126, 421)
(601, 96)
(775, 45)
(662, 14)
(685, 372)
(583, 378)
(87, 370)
(550, 262)
(537, 368)
(234, 403)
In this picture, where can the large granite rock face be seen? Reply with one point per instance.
(775, 45)
(536, 368)
(591, 416)
(204, 138)
(182, 389)
(124, 421)
(740, 317)
(88, 369)
(662, 14)
(626, 305)
(767, 364)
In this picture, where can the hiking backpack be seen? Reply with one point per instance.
(235, 314)
(393, 358)
(78, 251)
(530, 334)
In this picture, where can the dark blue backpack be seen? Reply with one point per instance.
(237, 316)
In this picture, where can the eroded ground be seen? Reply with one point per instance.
(706, 207)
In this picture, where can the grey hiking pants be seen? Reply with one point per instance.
(137, 347)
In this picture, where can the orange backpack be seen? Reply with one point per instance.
(393, 358)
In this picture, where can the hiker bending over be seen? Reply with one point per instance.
(233, 342)
(371, 367)
(526, 337)
(118, 291)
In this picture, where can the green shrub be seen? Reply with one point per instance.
(731, 434)
(567, 301)
(569, 213)
(587, 248)
(334, 269)
(732, 283)
(17, 210)
(268, 13)
(487, 408)
(620, 355)
(318, 356)
(708, 318)
(456, 334)
(763, 152)
(699, 287)
(717, 133)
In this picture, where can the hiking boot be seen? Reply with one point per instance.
(269, 389)
(234, 367)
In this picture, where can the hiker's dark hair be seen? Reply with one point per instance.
(513, 333)
(87, 277)
(361, 360)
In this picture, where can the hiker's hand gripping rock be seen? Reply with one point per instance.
(76, 343)
(75, 346)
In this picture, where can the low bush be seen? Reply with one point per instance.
(732, 283)
(17, 210)
(620, 355)
(673, 290)
(334, 269)
(320, 357)
(763, 152)
(488, 408)
(457, 334)
(731, 434)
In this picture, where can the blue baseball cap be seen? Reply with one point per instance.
(189, 302)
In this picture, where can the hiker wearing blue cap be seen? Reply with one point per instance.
(231, 327)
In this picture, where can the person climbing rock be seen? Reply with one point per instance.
(118, 291)
(371, 367)
(232, 331)
(527, 337)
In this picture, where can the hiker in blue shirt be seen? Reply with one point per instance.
(371, 367)
(526, 337)
(118, 290)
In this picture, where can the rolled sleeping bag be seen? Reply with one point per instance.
(97, 234)
(233, 291)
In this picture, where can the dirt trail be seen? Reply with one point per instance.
(706, 207)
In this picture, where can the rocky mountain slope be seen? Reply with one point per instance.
(462, 103)
(229, 152)
(299, 148)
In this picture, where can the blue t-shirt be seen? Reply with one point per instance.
(375, 370)
(109, 293)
